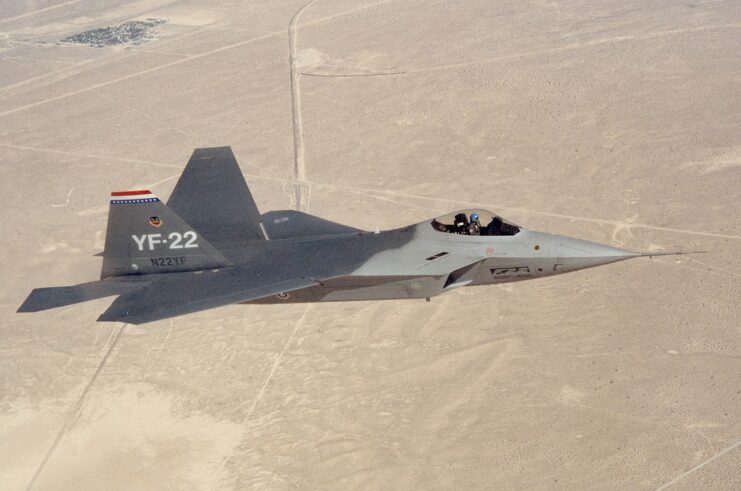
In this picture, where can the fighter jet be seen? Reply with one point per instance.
(209, 246)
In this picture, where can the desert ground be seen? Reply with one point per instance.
(613, 121)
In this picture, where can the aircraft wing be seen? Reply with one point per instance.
(193, 292)
(212, 197)
(287, 224)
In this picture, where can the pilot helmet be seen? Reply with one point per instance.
(474, 217)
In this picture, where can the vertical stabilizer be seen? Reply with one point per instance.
(144, 237)
(213, 197)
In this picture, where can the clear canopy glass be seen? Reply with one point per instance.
(474, 222)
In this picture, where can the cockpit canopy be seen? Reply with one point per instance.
(461, 223)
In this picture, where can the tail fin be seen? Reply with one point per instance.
(144, 236)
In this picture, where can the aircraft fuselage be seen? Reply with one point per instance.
(419, 262)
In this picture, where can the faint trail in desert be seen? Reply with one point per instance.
(89, 156)
(53, 76)
(699, 270)
(301, 188)
(351, 75)
(276, 363)
(186, 59)
(573, 46)
(104, 208)
(715, 268)
(66, 202)
(161, 181)
(480, 364)
(29, 14)
(698, 466)
(469, 204)
(68, 70)
(516, 56)
(77, 408)
(625, 225)
(161, 347)
(398, 202)
(136, 74)
(135, 109)
(343, 13)
(384, 195)
(299, 154)
(271, 373)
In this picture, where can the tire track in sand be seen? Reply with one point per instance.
(300, 199)
(34, 12)
(403, 198)
(76, 410)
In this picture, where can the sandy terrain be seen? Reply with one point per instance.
(613, 121)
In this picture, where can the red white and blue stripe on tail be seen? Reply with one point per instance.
(128, 197)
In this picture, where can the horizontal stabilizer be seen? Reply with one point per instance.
(49, 298)
(208, 290)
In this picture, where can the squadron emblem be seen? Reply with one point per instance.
(155, 221)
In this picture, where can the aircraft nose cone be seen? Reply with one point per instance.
(576, 254)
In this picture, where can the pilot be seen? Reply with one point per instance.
(474, 227)
(460, 224)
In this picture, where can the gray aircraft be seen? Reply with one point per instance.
(210, 246)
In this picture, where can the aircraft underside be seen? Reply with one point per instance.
(362, 288)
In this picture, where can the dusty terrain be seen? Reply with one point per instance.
(613, 121)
